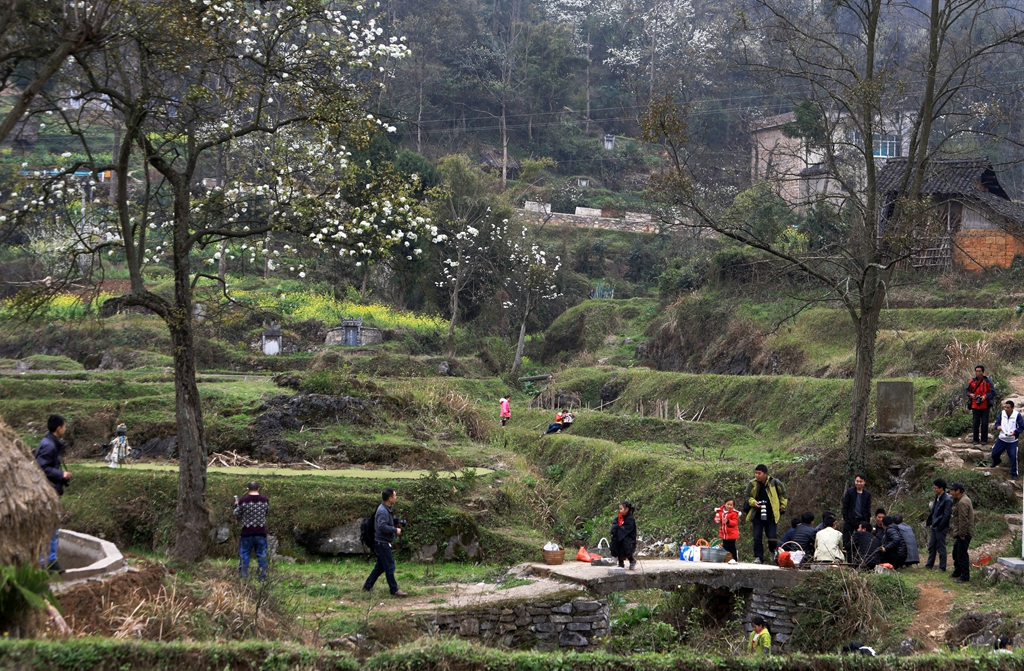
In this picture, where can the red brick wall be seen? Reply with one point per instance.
(976, 249)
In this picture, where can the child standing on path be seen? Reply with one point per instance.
(760, 638)
(728, 519)
(623, 534)
(506, 408)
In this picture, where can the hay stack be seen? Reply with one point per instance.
(29, 506)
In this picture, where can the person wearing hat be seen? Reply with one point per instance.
(252, 510)
(961, 525)
(766, 499)
(118, 447)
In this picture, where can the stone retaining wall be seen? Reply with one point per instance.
(544, 625)
(572, 220)
(775, 606)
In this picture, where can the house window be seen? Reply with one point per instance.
(887, 146)
(884, 146)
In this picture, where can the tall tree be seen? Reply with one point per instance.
(865, 70)
(186, 79)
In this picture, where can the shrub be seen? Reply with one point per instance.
(23, 589)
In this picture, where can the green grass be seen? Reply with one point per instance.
(268, 473)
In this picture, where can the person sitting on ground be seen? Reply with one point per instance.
(913, 555)
(623, 535)
(788, 536)
(728, 519)
(866, 546)
(894, 548)
(760, 638)
(877, 529)
(555, 426)
(804, 534)
(1004, 645)
(828, 543)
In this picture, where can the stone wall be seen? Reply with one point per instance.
(775, 606)
(575, 221)
(544, 625)
(977, 249)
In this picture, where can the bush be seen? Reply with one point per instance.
(23, 589)
(846, 606)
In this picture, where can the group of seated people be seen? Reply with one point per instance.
(563, 418)
(890, 541)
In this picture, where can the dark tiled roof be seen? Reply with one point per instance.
(971, 178)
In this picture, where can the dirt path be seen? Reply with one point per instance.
(930, 622)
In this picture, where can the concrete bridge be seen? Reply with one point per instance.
(669, 574)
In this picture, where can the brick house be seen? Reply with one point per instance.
(983, 227)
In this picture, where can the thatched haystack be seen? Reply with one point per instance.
(29, 506)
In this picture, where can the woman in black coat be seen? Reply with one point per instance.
(624, 535)
(894, 548)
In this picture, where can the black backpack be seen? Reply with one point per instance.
(367, 533)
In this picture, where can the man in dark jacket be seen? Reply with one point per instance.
(49, 456)
(913, 555)
(804, 534)
(866, 547)
(938, 521)
(981, 395)
(385, 532)
(856, 507)
(961, 524)
(894, 548)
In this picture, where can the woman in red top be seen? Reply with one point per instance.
(728, 519)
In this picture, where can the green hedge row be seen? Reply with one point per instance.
(103, 655)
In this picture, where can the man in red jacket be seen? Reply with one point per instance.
(981, 394)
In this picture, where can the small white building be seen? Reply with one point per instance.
(272, 340)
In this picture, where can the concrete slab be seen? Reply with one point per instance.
(83, 556)
(669, 574)
(1013, 563)
(895, 407)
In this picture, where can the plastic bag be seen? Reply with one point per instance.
(583, 555)
(785, 559)
(551, 546)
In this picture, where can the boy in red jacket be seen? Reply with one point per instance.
(728, 519)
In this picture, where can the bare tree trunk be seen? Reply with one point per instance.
(517, 363)
(419, 121)
(192, 518)
(450, 348)
(222, 263)
(863, 374)
(586, 124)
(504, 148)
(366, 276)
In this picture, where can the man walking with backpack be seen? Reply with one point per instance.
(981, 394)
(766, 497)
(385, 532)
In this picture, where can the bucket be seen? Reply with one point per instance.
(713, 555)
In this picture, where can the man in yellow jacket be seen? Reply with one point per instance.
(766, 497)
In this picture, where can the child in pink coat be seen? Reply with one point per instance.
(506, 408)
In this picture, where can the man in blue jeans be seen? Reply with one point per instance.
(252, 509)
(385, 532)
(50, 457)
